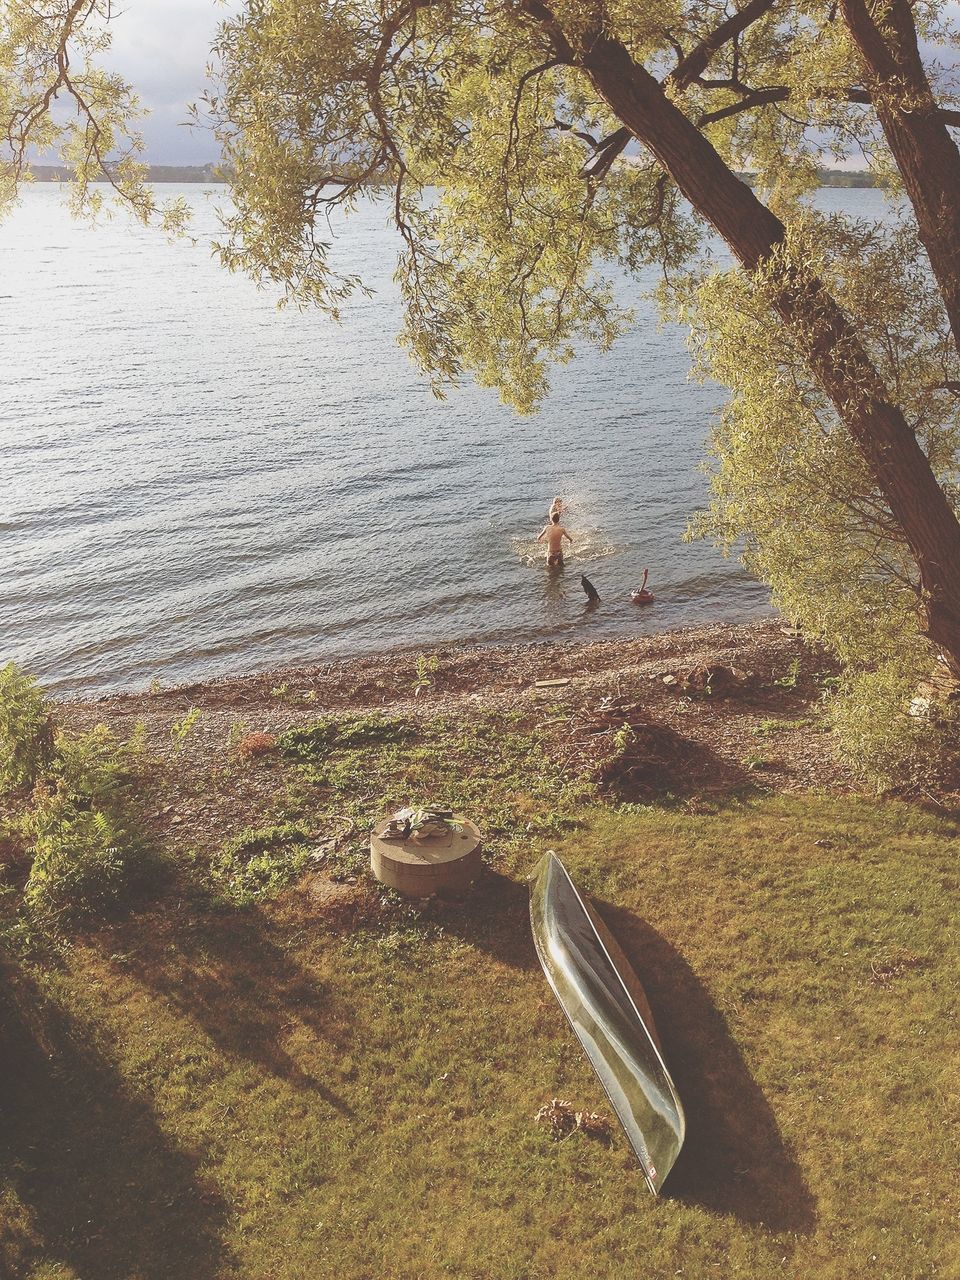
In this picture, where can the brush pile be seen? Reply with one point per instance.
(256, 744)
(615, 745)
(706, 681)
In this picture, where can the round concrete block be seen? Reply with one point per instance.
(435, 864)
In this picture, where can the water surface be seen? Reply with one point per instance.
(197, 483)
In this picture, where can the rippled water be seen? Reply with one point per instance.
(196, 483)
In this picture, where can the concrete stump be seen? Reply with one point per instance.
(448, 862)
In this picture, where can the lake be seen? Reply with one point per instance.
(199, 484)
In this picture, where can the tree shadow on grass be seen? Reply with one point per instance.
(734, 1159)
(107, 1194)
(226, 972)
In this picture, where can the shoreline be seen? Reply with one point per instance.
(721, 708)
(457, 658)
(88, 690)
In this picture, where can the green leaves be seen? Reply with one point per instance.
(465, 122)
(71, 813)
(789, 485)
(26, 733)
(50, 55)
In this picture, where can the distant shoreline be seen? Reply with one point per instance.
(179, 173)
(211, 174)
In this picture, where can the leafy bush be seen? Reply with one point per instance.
(26, 732)
(83, 860)
(887, 745)
(84, 855)
(91, 767)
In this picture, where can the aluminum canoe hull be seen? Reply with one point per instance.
(606, 1007)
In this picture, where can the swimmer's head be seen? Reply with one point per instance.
(555, 517)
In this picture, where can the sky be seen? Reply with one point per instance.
(162, 47)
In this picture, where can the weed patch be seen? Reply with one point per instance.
(320, 739)
(259, 862)
(491, 769)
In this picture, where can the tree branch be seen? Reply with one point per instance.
(695, 63)
(608, 149)
(513, 133)
(780, 93)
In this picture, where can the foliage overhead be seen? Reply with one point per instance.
(56, 99)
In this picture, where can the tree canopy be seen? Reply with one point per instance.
(527, 151)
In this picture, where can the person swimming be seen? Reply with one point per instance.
(553, 533)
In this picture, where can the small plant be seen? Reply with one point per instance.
(26, 730)
(792, 678)
(755, 762)
(180, 730)
(281, 692)
(155, 685)
(136, 745)
(426, 669)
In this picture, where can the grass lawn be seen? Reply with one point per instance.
(239, 1082)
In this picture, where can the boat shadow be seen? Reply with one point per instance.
(494, 917)
(734, 1159)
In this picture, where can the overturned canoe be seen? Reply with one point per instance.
(605, 1004)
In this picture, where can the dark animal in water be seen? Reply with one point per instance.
(593, 595)
(643, 596)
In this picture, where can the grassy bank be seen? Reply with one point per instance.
(268, 1067)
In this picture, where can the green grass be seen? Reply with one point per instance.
(209, 1092)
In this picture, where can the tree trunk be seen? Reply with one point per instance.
(900, 468)
(922, 146)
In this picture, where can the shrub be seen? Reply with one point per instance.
(26, 731)
(92, 767)
(85, 856)
(180, 730)
(884, 742)
(83, 860)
